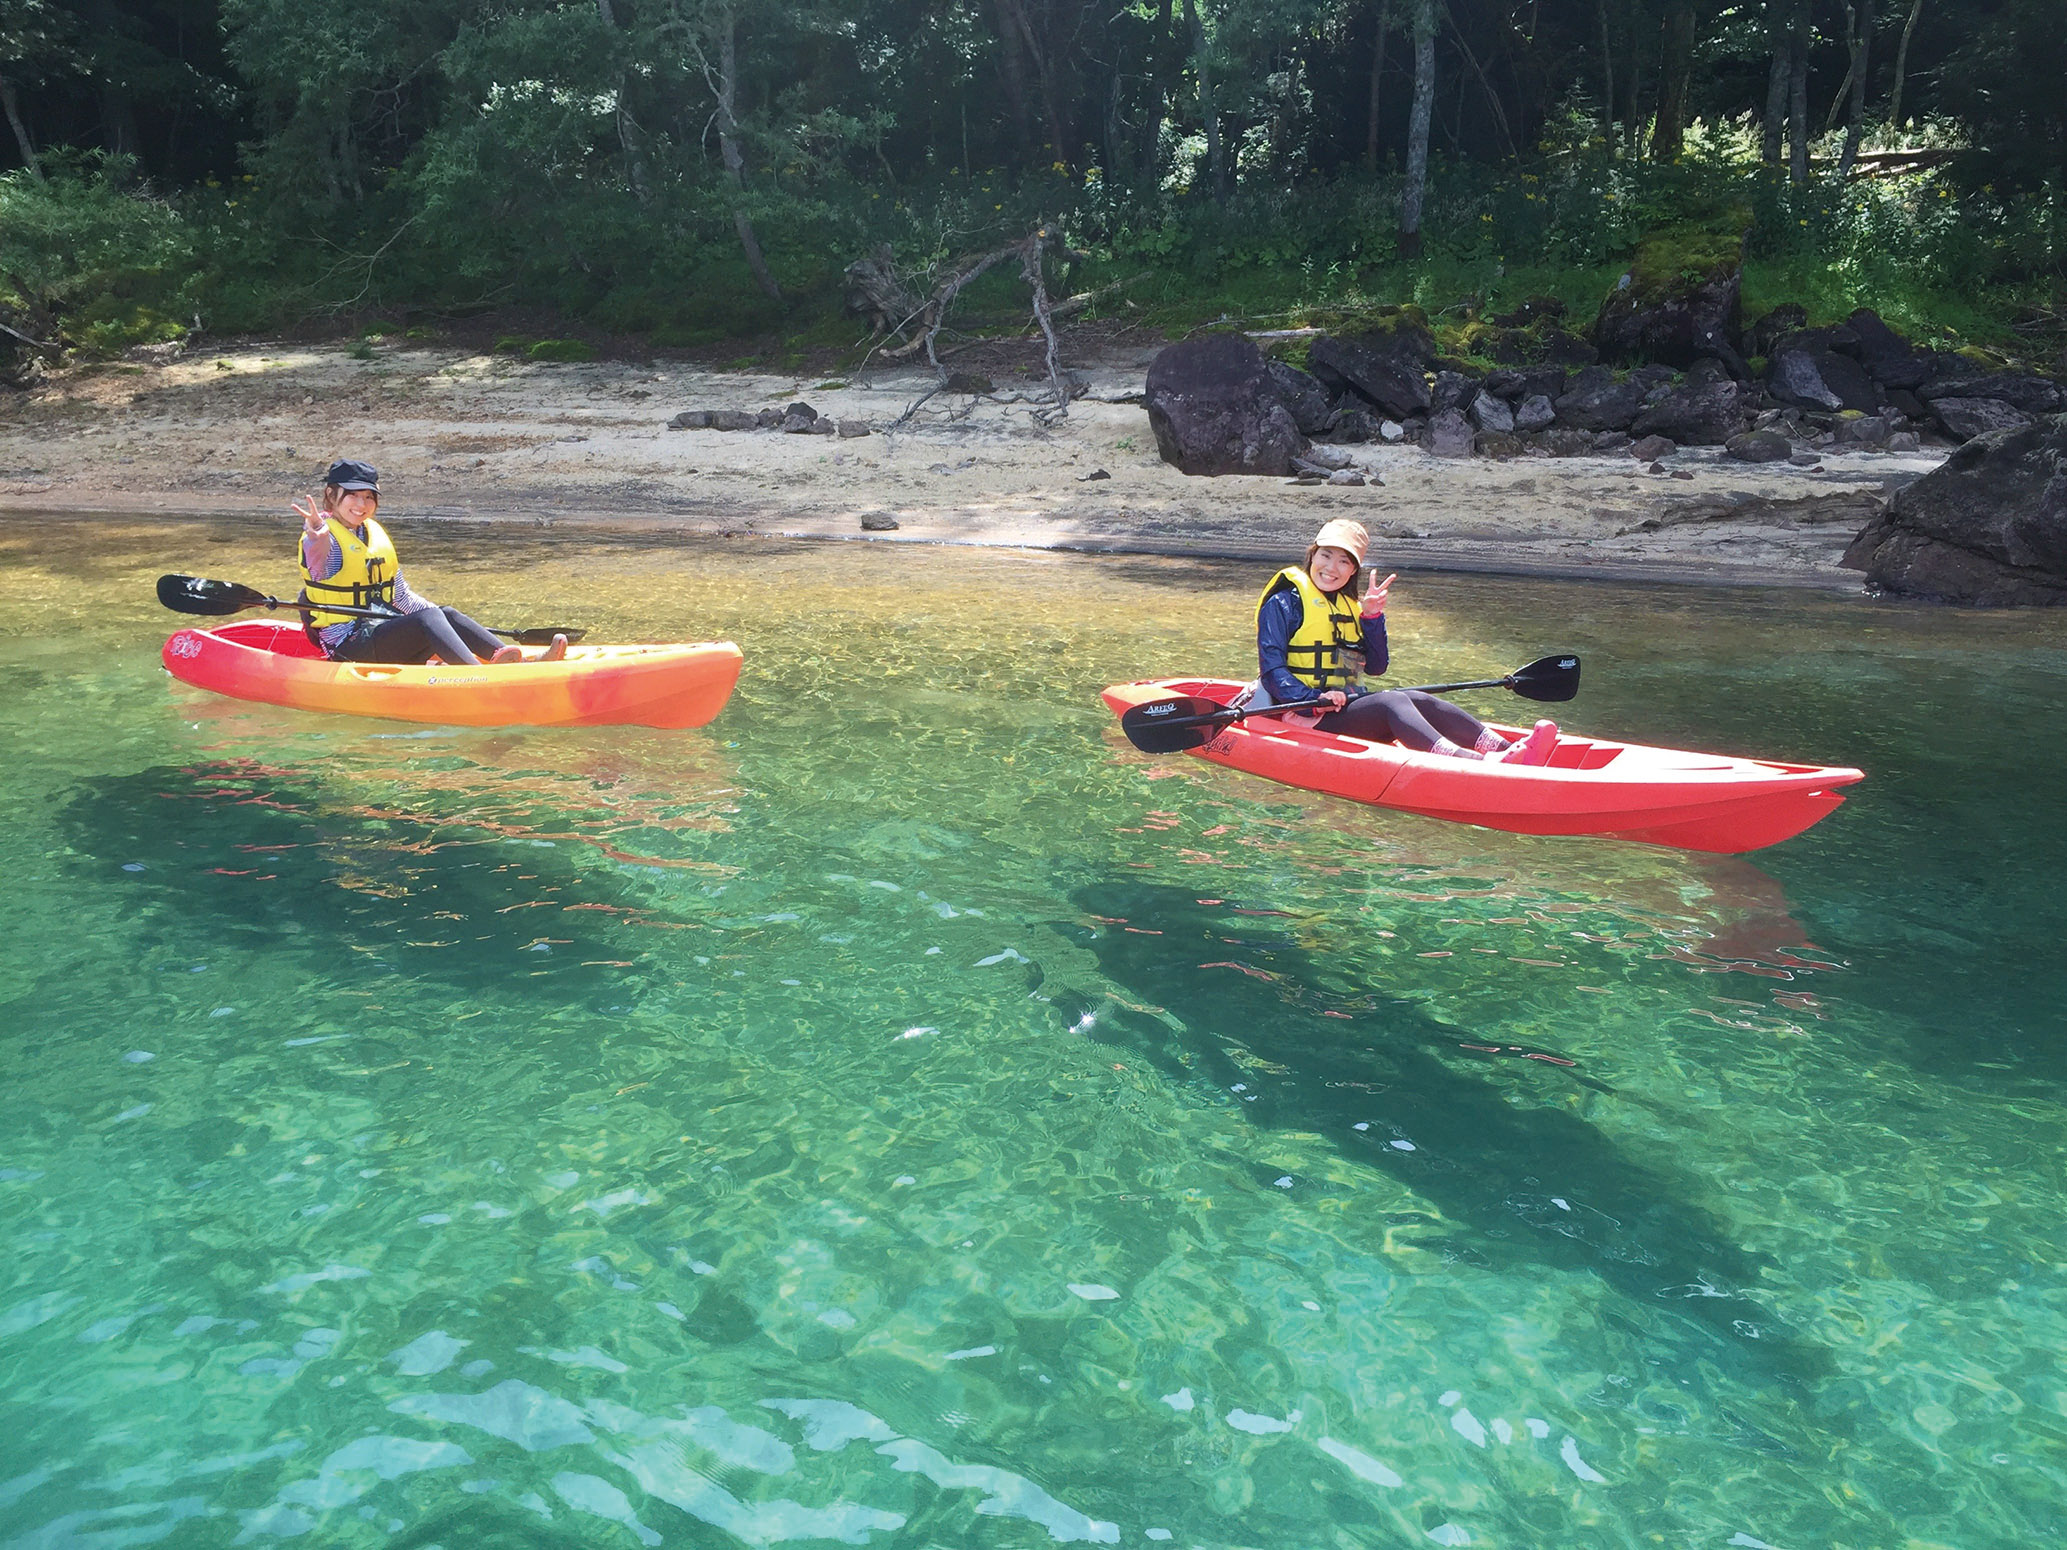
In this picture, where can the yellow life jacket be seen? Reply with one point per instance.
(365, 580)
(1329, 627)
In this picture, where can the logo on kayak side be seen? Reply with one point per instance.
(1158, 710)
(185, 644)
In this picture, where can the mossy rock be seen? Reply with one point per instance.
(1675, 259)
(511, 344)
(561, 350)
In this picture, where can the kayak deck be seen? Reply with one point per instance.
(670, 686)
(1593, 786)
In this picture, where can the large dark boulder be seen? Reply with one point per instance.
(1302, 394)
(1514, 386)
(1535, 413)
(1807, 370)
(1787, 318)
(1385, 365)
(1452, 390)
(1760, 447)
(2019, 389)
(1492, 414)
(1595, 401)
(1679, 301)
(1965, 418)
(1352, 421)
(1988, 526)
(1705, 411)
(1562, 347)
(1449, 434)
(1214, 409)
(1889, 359)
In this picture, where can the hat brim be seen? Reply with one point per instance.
(358, 484)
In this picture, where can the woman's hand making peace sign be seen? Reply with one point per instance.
(1375, 594)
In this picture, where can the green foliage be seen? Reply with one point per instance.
(561, 350)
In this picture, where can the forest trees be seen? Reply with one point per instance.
(595, 145)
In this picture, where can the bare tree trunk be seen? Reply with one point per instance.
(1798, 97)
(1215, 169)
(1862, 68)
(1775, 126)
(1151, 153)
(1902, 65)
(1633, 126)
(1416, 186)
(21, 130)
(1607, 71)
(727, 86)
(1055, 93)
(1013, 68)
(1675, 71)
(1383, 20)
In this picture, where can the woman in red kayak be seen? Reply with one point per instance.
(347, 559)
(1310, 629)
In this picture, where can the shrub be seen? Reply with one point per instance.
(561, 350)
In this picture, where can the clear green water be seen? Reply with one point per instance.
(901, 1114)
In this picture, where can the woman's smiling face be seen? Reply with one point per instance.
(1333, 569)
(355, 506)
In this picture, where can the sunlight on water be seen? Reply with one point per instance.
(901, 1114)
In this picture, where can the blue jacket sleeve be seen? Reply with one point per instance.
(1377, 655)
(1276, 622)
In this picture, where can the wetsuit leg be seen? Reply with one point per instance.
(1405, 716)
(479, 639)
(410, 638)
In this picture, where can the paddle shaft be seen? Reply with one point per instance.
(1242, 713)
(181, 599)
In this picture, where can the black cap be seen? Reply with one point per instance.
(347, 475)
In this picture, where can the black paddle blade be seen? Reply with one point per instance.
(1547, 678)
(198, 595)
(1173, 725)
(543, 637)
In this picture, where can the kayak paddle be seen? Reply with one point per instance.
(1189, 721)
(199, 595)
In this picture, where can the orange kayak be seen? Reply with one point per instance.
(1625, 791)
(651, 686)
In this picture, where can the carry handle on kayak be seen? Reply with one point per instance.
(199, 595)
(1184, 722)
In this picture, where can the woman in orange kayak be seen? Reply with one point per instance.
(348, 560)
(1310, 631)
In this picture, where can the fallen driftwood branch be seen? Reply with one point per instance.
(48, 347)
(876, 290)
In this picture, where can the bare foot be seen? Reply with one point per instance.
(556, 651)
(508, 654)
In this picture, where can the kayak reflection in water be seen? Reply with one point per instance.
(1314, 639)
(348, 561)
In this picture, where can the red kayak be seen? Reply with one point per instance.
(1624, 791)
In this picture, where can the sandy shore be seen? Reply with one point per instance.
(483, 437)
